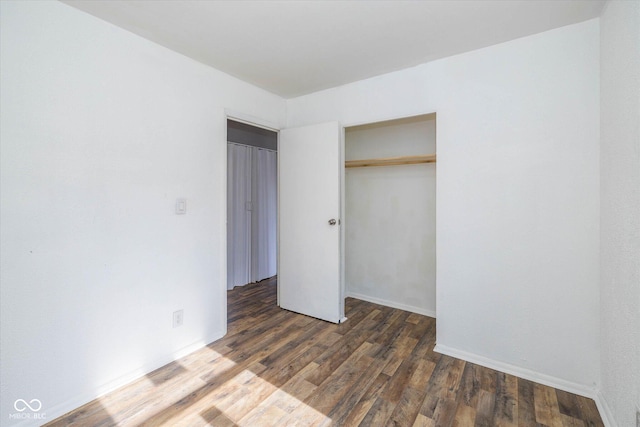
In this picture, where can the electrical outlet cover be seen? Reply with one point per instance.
(178, 317)
(181, 206)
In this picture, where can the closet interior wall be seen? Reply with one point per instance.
(390, 254)
(251, 204)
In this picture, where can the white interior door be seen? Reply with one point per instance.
(310, 267)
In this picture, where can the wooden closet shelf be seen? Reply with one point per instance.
(391, 161)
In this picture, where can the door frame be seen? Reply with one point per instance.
(255, 122)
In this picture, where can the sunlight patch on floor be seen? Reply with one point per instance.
(258, 402)
(245, 400)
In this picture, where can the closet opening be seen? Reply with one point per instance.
(251, 204)
(390, 213)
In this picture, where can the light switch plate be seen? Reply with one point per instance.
(181, 206)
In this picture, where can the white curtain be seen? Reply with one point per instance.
(251, 214)
(238, 215)
(264, 214)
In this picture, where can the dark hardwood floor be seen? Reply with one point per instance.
(278, 368)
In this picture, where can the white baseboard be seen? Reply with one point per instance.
(548, 380)
(527, 374)
(82, 399)
(605, 411)
(392, 304)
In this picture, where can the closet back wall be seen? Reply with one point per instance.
(390, 216)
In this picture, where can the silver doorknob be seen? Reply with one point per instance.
(332, 221)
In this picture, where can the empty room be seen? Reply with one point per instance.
(313, 213)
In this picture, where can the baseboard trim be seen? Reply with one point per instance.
(77, 401)
(605, 411)
(392, 304)
(527, 374)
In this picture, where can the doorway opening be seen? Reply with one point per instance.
(390, 219)
(251, 204)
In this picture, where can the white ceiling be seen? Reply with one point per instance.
(293, 48)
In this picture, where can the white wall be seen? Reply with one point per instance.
(620, 210)
(390, 223)
(517, 196)
(101, 132)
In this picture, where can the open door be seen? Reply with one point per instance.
(310, 269)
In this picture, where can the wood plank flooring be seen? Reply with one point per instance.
(278, 368)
